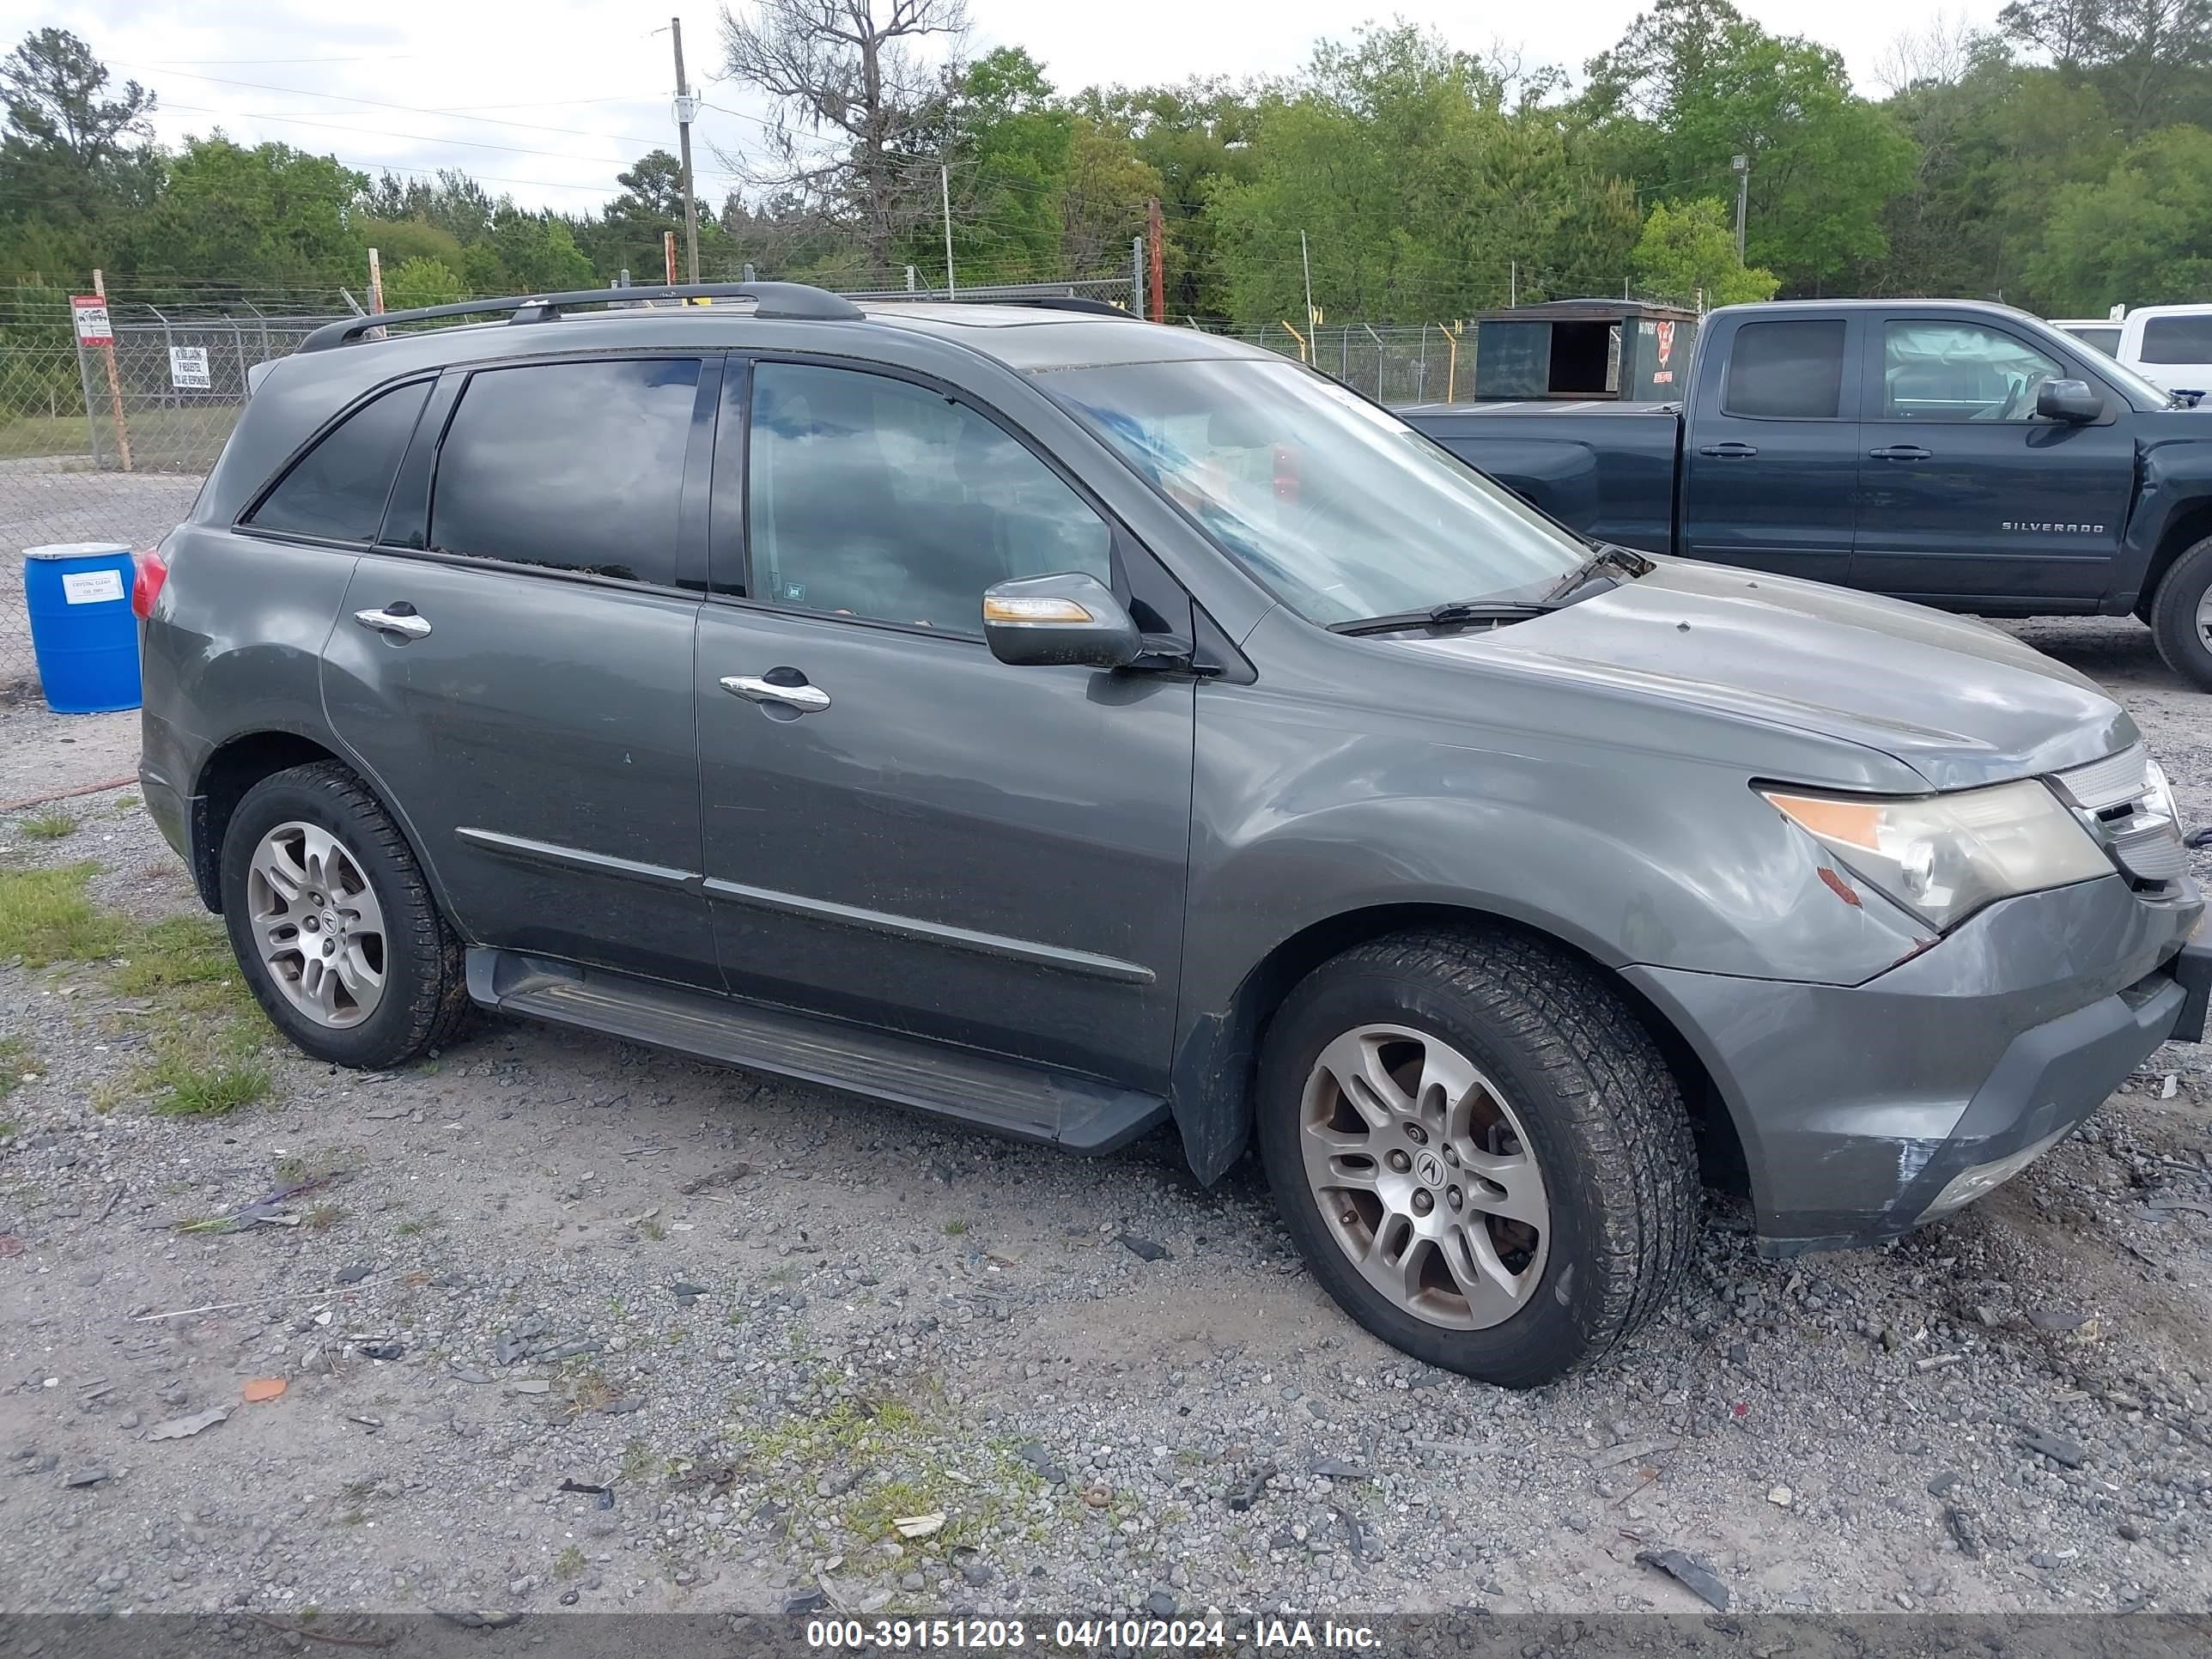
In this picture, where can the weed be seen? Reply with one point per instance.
(652, 1229)
(638, 1461)
(954, 1228)
(50, 826)
(46, 917)
(324, 1217)
(569, 1564)
(417, 1225)
(14, 1061)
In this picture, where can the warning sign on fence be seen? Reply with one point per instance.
(93, 328)
(188, 368)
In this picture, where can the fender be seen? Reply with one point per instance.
(2172, 509)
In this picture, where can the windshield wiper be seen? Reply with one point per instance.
(1450, 614)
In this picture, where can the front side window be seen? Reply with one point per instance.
(1786, 371)
(337, 490)
(1337, 507)
(573, 466)
(2177, 340)
(871, 497)
(1944, 371)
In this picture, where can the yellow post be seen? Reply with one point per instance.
(1300, 337)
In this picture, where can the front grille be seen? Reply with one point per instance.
(2119, 799)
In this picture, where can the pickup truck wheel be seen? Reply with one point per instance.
(334, 929)
(1479, 1150)
(2181, 616)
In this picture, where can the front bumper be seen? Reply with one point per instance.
(1866, 1110)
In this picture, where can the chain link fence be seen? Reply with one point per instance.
(109, 443)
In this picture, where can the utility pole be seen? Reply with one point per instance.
(944, 200)
(1741, 166)
(1155, 239)
(1512, 283)
(1305, 262)
(687, 111)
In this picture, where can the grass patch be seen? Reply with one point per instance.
(569, 1564)
(14, 1061)
(208, 1033)
(324, 1217)
(50, 826)
(953, 1229)
(46, 917)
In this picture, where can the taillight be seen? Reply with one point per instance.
(146, 587)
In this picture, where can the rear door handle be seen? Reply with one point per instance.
(1730, 452)
(1902, 452)
(806, 699)
(399, 620)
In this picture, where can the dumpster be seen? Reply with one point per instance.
(82, 632)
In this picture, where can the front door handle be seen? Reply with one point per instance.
(399, 620)
(1730, 452)
(1902, 452)
(806, 699)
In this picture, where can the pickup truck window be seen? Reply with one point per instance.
(1953, 371)
(2177, 339)
(1337, 507)
(1786, 371)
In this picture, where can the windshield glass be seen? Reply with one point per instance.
(1342, 510)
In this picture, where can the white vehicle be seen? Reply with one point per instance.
(2102, 332)
(2171, 346)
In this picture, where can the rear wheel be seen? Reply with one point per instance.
(1479, 1151)
(332, 923)
(2181, 616)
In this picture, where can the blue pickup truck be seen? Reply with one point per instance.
(1963, 455)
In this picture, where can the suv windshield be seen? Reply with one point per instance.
(1342, 510)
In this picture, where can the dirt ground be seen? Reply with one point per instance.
(774, 1325)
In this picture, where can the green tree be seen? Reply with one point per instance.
(1693, 83)
(1689, 251)
(536, 252)
(2141, 236)
(421, 283)
(398, 240)
(265, 217)
(1190, 136)
(66, 146)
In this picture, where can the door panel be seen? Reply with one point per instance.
(521, 689)
(987, 856)
(538, 741)
(1965, 498)
(1770, 466)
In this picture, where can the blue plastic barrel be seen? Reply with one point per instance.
(82, 629)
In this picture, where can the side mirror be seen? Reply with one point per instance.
(2069, 400)
(1068, 620)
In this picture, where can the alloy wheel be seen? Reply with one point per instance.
(1425, 1177)
(317, 923)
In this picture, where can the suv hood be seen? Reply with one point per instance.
(1958, 701)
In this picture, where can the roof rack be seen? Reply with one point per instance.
(790, 302)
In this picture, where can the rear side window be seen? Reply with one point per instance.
(2177, 340)
(1791, 371)
(337, 490)
(572, 466)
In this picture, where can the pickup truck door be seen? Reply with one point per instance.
(1969, 499)
(1770, 444)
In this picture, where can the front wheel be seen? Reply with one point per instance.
(1479, 1150)
(338, 934)
(2181, 616)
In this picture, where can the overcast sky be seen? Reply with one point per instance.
(547, 101)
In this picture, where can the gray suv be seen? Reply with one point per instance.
(1068, 726)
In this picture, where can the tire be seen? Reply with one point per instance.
(1568, 1081)
(322, 818)
(2181, 612)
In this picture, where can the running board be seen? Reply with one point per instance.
(1077, 1113)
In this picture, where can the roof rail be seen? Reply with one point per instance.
(791, 301)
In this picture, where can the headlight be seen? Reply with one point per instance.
(1944, 857)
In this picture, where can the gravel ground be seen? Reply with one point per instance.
(771, 1323)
